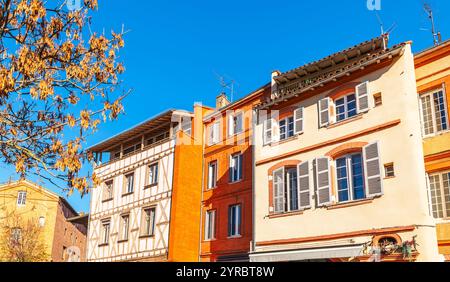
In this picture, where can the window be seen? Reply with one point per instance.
(234, 221)
(21, 198)
(148, 222)
(108, 190)
(124, 227)
(42, 221)
(129, 183)
(153, 174)
(186, 125)
(212, 174)
(131, 149)
(214, 133)
(439, 185)
(434, 113)
(389, 170)
(16, 234)
(286, 190)
(377, 99)
(106, 227)
(286, 128)
(210, 221)
(235, 168)
(346, 107)
(350, 178)
(235, 124)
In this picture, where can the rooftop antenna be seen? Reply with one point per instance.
(436, 35)
(226, 83)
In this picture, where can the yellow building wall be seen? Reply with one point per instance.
(38, 203)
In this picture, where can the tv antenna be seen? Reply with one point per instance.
(437, 39)
(226, 83)
(382, 30)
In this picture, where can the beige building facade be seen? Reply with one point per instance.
(338, 166)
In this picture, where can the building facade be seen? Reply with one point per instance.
(433, 80)
(226, 230)
(63, 238)
(338, 162)
(147, 207)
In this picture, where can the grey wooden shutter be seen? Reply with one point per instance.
(267, 128)
(324, 112)
(303, 186)
(278, 190)
(372, 170)
(298, 120)
(275, 130)
(362, 97)
(323, 181)
(230, 125)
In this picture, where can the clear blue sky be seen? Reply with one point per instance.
(174, 47)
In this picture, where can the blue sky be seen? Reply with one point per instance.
(173, 48)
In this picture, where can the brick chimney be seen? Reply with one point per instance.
(222, 101)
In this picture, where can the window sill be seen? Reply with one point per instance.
(146, 236)
(103, 244)
(127, 194)
(345, 121)
(211, 189)
(285, 214)
(122, 241)
(292, 138)
(209, 240)
(389, 177)
(235, 182)
(430, 136)
(350, 204)
(234, 237)
(148, 186)
(107, 200)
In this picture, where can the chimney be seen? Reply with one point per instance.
(222, 101)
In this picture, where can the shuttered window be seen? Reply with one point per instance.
(267, 128)
(324, 112)
(303, 185)
(214, 133)
(372, 168)
(148, 221)
(124, 227)
(286, 127)
(106, 227)
(278, 190)
(362, 97)
(345, 107)
(108, 190)
(153, 174)
(323, 192)
(298, 120)
(350, 178)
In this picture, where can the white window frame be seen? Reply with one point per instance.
(235, 160)
(106, 232)
(214, 133)
(286, 126)
(236, 230)
(210, 225)
(124, 227)
(445, 212)
(212, 179)
(148, 230)
(126, 189)
(433, 111)
(349, 171)
(345, 107)
(21, 198)
(153, 171)
(233, 122)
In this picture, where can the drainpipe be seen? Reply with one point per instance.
(253, 124)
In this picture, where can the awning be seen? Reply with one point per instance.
(308, 254)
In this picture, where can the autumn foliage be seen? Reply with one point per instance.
(58, 81)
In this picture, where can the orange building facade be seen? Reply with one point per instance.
(227, 216)
(433, 82)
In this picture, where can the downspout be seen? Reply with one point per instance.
(253, 124)
(202, 189)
